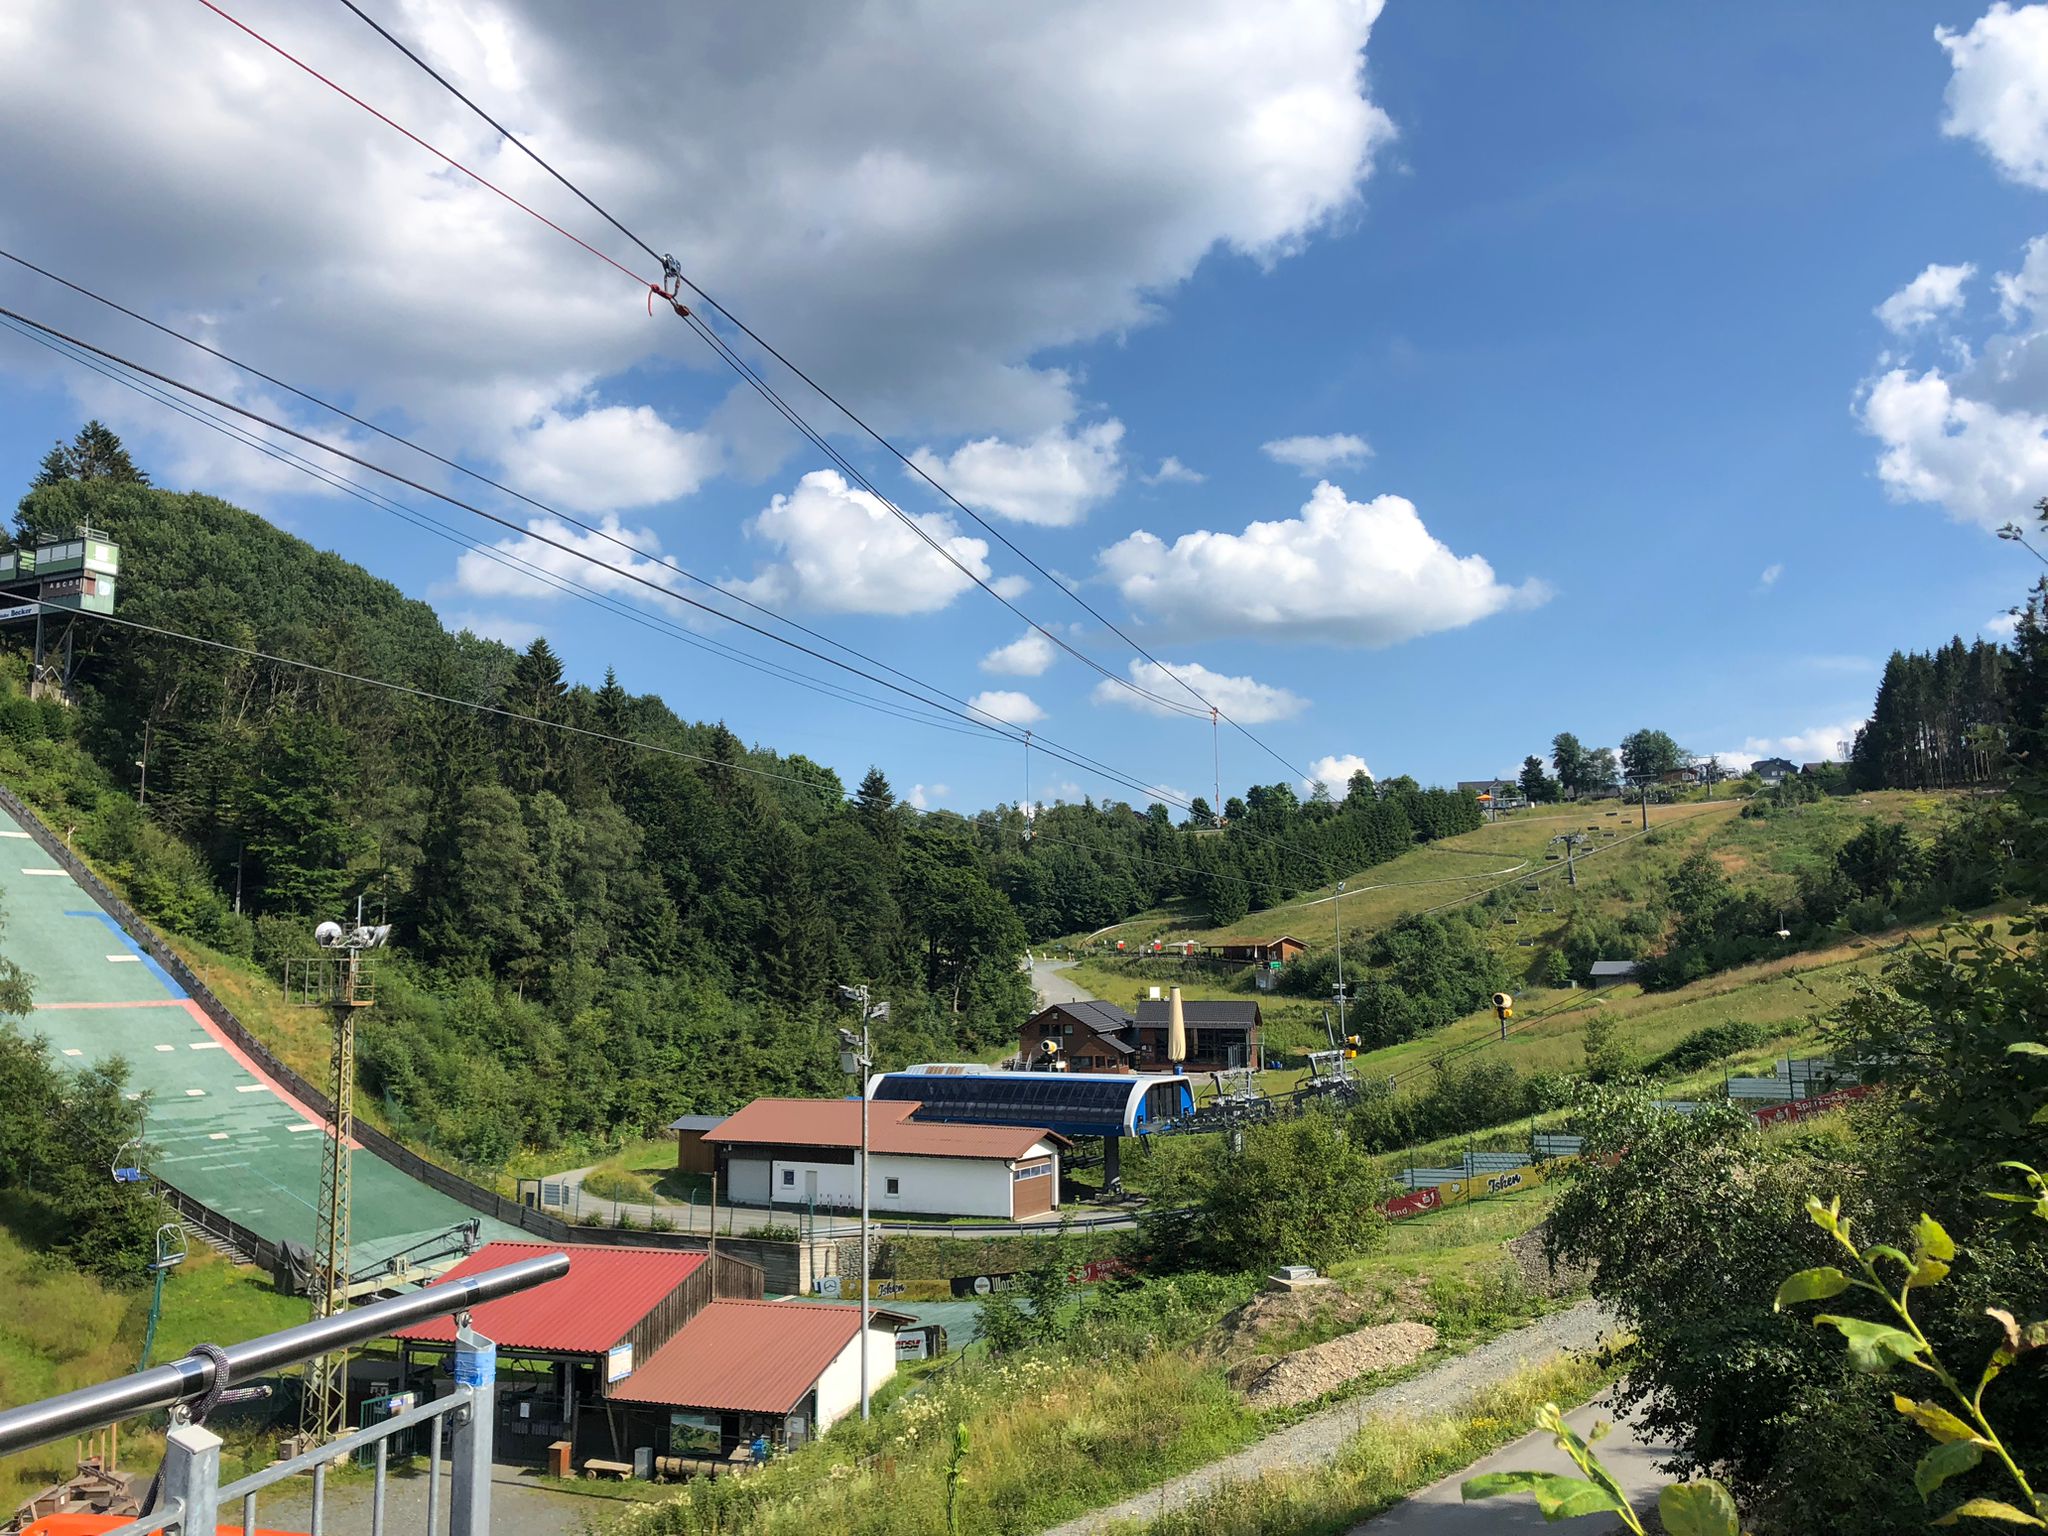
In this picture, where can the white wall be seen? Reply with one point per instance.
(927, 1186)
(839, 1387)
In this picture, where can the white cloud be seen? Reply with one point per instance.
(1053, 480)
(2003, 627)
(1008, 706)
(1935, 292)
(1166, 793)
(1342, 573)
(922, 796)
(1334, 772)
(1315, 455)
(1998, 93)
(2025, 292)
(504, 628)
(1979, 462)
(607, 458)
(1012, 587)
(1172, 472)
(590, 559)
(1244, 699)
(1819, 744)
(843, 551)
(1026, 656)
(1770, 575)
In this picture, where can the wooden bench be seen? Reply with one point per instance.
(621, 1470)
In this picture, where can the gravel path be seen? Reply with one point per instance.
(1317, 1439)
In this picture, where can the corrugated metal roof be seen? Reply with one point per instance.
(1099, 1016)
(836, 1123)
(1211, 1013)
(1613, 968)
(587, 1311)
(747, 1356)
(696, 1122)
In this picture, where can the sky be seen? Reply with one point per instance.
(1411, 384)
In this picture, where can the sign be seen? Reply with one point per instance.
(886, 1289)
(618, 1362)
(1097, 1270)
(1413, 1204)
(828, 1285)
(476, 1366)
(1513, 1178)
(911, 1346)
(965, 1286)
(19, 611)
(1782, 1114)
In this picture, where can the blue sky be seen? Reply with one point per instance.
(1528, 376)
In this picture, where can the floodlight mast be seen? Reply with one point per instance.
(339, 980)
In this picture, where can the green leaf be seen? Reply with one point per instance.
(1991, 1509)
(1698, 1509)
(1934, 1418)
(1557, 1496)
(1945, 1461)
(2027, 1048)
(1930, 1239)
(1811, 1285)
(1927, 1272)
(1873, 1347)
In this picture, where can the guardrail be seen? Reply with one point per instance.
(187, 1495)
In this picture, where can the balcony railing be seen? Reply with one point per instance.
(189, 1495)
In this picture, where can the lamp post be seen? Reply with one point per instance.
(856, 1055)
(1338, 903)
(2012, 533)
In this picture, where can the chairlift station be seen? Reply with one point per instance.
(50, 582)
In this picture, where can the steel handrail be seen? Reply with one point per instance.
(109, 1402)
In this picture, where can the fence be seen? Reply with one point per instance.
(188, 1495)
(1795, 1078)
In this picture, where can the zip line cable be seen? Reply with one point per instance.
(672, 271)
(667, 292)
(992, 723)
(510, 561)
(595, 530)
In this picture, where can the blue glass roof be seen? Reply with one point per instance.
(1071, 1103)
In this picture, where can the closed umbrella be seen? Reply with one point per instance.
(1176, 1031)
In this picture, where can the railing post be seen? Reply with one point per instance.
(469, 1453)
(191, 1476)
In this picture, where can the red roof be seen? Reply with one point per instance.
(747, 1356)
(586, 1312)
(836, 1123)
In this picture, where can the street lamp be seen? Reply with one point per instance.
(2012, 533)
(1338, 903)
(856, 1056)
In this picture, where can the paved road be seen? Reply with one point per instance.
(1440, 1511)
(1055, 988)
(520, 1506)
(1317, 1439)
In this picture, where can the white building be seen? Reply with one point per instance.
(805, 1154)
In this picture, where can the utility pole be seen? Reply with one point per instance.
(1572, 842)
(1338, 902)
(1216, 752)
(856, 1055)
(142, 786)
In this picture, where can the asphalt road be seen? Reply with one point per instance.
(1052, 987)
(1439, 1510)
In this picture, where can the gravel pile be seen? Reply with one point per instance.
(1537, 1271)
(1309, 1373)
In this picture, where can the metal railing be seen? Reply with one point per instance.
(189, 1495)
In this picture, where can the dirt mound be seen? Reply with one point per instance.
(1275, 1314)
(1309, 1373)
(1538, 1273)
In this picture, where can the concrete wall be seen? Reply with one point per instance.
(839, 1387)
(925, 1186)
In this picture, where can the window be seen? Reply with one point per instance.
(789, 1178)
(892, 1186)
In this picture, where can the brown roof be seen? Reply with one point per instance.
(748, 1356)
(836, 1123)
(606, 1292)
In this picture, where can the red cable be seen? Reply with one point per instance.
(443, 154)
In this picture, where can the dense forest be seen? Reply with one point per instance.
(1939, 720)
(606, 914)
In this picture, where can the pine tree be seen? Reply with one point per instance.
(97, 454)
(56, 467)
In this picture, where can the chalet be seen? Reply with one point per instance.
(1686, 775)
(1257, 951)
(1813, 770)
(1089, 1037)
(1493, 788)
(806, 1153)
(1220, 1034)
(1773, 770)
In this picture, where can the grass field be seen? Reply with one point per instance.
(60, 1330)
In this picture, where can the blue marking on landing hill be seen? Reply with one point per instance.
(137, 951)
